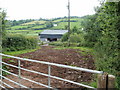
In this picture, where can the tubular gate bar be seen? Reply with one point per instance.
(47, 75)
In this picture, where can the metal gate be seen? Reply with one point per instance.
(32, 71)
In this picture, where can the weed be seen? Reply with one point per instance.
(11, 61)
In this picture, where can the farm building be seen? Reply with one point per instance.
(51, 35)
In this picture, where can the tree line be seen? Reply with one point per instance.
(13, 42)
(101, 32)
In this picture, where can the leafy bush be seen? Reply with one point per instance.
(64, 44)
(56, 43)
(107, 46)
(65, 37)
(18, 42)
(76, 38)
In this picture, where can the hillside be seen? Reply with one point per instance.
(36, 26)
(34, 22)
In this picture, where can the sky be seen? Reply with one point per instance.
(35, 9)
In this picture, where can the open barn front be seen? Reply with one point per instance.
(52, 35)
(51, 39)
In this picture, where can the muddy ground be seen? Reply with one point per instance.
(72, 57)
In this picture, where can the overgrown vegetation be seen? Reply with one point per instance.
(14, 53)
(107, 47)
(2, 23)
(18, 42)
(2, 34)
(101, 32)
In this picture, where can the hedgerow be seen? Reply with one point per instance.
(18, 42)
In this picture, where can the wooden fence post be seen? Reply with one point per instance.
(106, 82)
(111, 82)
(102, 81)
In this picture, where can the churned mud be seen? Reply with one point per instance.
(72, 57)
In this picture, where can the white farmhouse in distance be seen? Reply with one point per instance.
(55, 25)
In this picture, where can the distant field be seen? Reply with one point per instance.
(76, 19)
(25, 32)
(62, 25)
(34, 22)
(32, 27)
(35, 27)
(38, 27)
(18, 27)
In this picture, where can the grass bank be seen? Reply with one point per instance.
(14, 53)
(85, 49)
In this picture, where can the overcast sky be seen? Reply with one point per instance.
(35, 9)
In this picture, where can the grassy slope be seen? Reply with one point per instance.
(25, 32)
(20, 52)
(31, 31)
(66, 19)
(34, 22)
(14, 53)
(38, 27)
(18, 26)
(62, 25)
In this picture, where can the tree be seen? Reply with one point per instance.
(66, 27)
(49, 24)
(107, 46)
(102, 33)
(3, 22)
(92, 34)
(2, 26)
(75, 29)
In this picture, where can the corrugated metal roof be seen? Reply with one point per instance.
(54, 32)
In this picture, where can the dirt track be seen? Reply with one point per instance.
(47, 53)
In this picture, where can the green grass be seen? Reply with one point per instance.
(38, 27)
(16, 31)
(30, 25)
(18, 27)
(25, 32)
(34, 22)
(85, 49)
(92, 84)
(65, 19)
(27, 27)
(14, 53)
(62, 25)
(81, 48)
